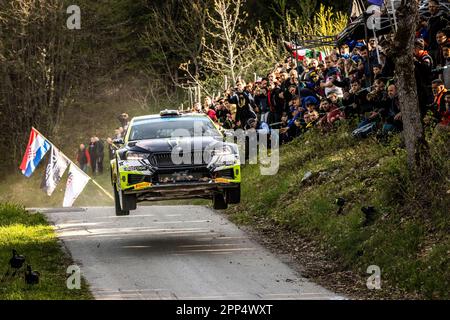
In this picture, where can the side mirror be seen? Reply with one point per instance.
(119, 141)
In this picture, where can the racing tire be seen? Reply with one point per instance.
(128, 201)
(219, 202)
(233, 195)
(119, 211)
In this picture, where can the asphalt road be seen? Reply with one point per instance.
(175, 252)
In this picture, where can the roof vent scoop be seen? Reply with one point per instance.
(169, 113)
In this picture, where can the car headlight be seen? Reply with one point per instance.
(223, 151)
(223, 156)
(136, 155)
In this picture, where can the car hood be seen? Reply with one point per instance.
(167, 145)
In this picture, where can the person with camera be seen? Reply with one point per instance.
(332, 114)
(276, 99)
(376, 103)
(243, 101)
(290, 88)
(229, 123)
(296, 124)
(355, 100)
(261, 100)
(331, 75)
(222, 111)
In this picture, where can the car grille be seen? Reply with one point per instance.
(196, 174)
(138, 178)
(164, 160)
(227, 174)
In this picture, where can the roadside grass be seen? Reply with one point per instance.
(33, 237)
(411, 247)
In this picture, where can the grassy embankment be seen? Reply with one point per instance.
(407, 239)
(33, 237)
(411, 247)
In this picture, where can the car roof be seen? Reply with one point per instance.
(178, 116)
(157, 116)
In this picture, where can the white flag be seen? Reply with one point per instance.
(56, 166)
(76, 181)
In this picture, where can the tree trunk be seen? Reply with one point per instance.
(413, 131)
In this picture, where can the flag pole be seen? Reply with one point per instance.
(71, 162)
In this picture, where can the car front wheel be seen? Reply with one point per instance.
(119, 211)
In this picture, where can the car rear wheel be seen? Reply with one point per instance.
(219, 202)
(233, 195)
(119, 211)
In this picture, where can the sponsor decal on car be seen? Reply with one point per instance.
(135, 168)
(142, 185)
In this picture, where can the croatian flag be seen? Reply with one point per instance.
(36, 149)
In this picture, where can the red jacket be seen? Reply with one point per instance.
(212, 114)
(86, 154)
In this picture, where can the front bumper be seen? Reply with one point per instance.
(179, 182)
(175, 191)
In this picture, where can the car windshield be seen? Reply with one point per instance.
(163, 128)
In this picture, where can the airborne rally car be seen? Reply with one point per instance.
(174, 156)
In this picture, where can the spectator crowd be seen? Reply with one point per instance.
(355, 81)
(92, 154)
